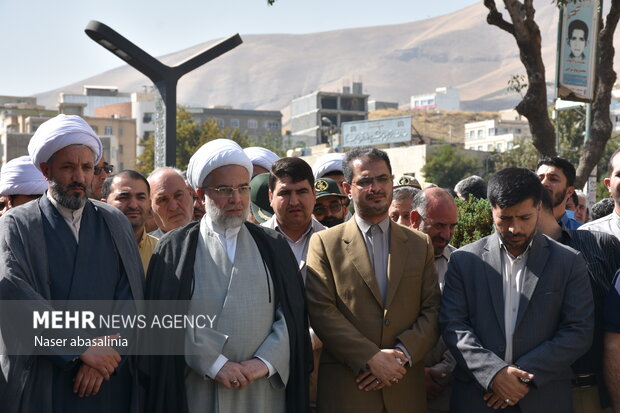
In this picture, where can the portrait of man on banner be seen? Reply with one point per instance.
(577, 50)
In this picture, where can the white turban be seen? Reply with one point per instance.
(20, 177)
(212, 155)
(331, 162)
(59, 132)
(261, 156)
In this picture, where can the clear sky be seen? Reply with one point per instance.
(45, 47)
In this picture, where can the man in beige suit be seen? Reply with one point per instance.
(373, 299)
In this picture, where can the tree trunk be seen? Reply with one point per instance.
(601, 128)
(534, 104)
(527, 35)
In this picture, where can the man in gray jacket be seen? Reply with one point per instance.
(60, 247)
(517, 309)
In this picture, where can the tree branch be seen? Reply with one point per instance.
(495, 18)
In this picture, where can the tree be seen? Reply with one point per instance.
(475, 221)
(446, 166)
(533, 106)
(190, 137)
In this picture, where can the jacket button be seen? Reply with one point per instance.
(387, 322)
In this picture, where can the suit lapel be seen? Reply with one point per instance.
(538, 255)
(358, 254)
(396, 260)
(492, 257)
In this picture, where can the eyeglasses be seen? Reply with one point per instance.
(105, 168)
(334, 207)
(227, 191)
(366, 181)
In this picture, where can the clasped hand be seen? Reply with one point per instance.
(240, 375)
(384, 370)
(507, 388)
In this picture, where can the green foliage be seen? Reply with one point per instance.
(570, 125)
(524, 155)
(191, 136)
(475, 221)
(446, 166)
(517, 83)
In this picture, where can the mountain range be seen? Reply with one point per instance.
(393, 62)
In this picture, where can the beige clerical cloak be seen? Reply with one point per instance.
(247, 324)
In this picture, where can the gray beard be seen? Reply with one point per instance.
(220, 219)
(61, 195)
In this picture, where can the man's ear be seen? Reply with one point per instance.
(569, 192)
(416, 219)
(607, 182)
(45, 167)
(347, 189)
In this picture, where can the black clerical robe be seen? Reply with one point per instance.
(170, 277)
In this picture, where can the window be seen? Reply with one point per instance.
(329, 102)
(271, 125)
(147, 118)
(479, 147)
(509, 145)
(234, 123)
(95, 128)
(491, 131)
(480, 133)
(499, 147)
(490, 147)
(220, 123)
(120, 149)
(107, 130)
(252, 124)
(120, 131)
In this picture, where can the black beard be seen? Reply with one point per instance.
(331, 221)
(61, 194)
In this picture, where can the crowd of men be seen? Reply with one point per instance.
(333, 286)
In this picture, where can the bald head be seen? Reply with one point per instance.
(435, 213)
(171, 199)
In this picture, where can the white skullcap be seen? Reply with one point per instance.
(331, 162)
(261, 156)
(20, 177)
(212, 155)
(59, 132)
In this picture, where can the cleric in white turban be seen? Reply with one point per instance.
(64, 246)
(330, 166)
(326, 164)
(60, 132)
(261, 158)
(255, 358)
(20, 177)
(212, 155)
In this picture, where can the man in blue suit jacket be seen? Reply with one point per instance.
(517, 309)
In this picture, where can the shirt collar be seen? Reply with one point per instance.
(445, 253)
(142, 237)
(308, 231)
(68, 214)
(365, 225)
(524, 254)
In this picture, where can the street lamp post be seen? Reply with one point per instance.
(164, 77)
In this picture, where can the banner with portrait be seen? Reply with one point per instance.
(577, 48)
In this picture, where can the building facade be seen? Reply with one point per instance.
(313, 115)
(444, 98)
(497, 135)
(256, 123)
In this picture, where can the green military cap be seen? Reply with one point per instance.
(259, 197)
(327, 187)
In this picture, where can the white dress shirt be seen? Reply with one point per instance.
(71, 217)
(513, 273)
